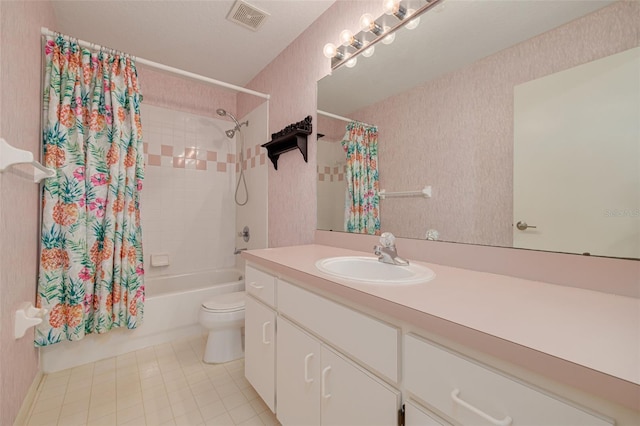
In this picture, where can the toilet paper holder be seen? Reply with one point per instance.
(27, 316)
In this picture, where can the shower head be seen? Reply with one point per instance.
(223, 113)
(231, 132)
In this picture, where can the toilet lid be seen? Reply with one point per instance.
(225, 302)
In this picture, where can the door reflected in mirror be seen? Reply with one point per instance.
(512, 112)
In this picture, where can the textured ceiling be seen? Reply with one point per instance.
(191, 35)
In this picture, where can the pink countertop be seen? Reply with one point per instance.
(587, 339)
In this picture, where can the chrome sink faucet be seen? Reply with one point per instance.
(387, 252)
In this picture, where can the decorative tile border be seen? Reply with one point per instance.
(253, 157)
(202, 159)
(331, 173)
(189, 158)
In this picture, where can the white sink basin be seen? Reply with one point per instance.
(370, 270)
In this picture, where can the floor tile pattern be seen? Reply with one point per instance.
(161, 385)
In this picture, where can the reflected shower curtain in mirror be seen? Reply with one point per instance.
(91, 264)
(362, 200)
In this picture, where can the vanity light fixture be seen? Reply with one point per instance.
(368, 23)
(373, 31)
(347, 39)
(351, 62)
(331, 51)
(393, 7)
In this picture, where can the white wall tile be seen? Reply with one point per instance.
(186, 212)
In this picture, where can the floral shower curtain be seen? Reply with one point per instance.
(362, 201)
(91, 273)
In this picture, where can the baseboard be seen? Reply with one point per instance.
(27, 403)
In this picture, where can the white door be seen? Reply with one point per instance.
(260, 349)
(298, 376)
(352, 397)
(577, 159)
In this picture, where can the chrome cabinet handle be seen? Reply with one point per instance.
(307, 379)
(256, 286)
(523, 226)
(504, 422)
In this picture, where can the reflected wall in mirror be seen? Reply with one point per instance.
(332, 165)
(451, 101)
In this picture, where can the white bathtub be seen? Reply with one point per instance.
(170, 313)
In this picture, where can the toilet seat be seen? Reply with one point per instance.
(228, 302)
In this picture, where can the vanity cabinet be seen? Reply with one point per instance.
(473, 394)
(315, 361)
(318, 386)
(364, 338)
(261, 285)
(260, 334)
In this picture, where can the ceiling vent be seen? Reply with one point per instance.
(246, 15)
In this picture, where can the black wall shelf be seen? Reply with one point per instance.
(291, 137)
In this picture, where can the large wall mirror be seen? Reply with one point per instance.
(523, 117)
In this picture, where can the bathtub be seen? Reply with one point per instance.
(170, 313)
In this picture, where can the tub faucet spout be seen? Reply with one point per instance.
(237, 251)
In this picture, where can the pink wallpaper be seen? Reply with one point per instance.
(171, 91)
(332, 128)
(462, 139)
(20, 60)
(291, 81)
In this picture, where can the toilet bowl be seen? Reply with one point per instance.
(223, 317)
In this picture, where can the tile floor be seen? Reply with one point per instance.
(161, 385)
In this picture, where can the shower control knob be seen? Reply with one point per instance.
(245, 234)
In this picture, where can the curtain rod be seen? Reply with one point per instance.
(341, 118)
(47, 32)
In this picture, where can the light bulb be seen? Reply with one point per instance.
(390, 6)
(389, 38)
(345, 37)
(365, 21)
(413, 23)
(351, 62)
(330, 50)
(368, 52)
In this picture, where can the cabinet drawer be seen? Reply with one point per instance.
(261, 285)
(414, 415)
(472, 394)
(369, 340)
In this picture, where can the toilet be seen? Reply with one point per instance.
(223, 317)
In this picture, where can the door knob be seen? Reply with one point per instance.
(523, 226)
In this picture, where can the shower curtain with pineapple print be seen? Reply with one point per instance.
(362, 200)
(91, 269)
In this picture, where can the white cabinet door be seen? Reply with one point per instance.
(298, 376)
(352, 397)
(260, 348)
